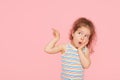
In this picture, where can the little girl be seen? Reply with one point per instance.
(76, 53)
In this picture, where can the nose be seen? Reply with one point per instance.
(82, 37)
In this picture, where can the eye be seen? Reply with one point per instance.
(80, 33)
(87, 36)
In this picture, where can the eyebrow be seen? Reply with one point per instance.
(83, 31)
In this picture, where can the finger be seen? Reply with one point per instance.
(55, 31)
(82, 46)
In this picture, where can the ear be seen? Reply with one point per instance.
(72, 33)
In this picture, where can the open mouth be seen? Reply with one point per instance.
(79, 42)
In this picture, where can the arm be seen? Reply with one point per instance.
(51, 46)
(85, 58)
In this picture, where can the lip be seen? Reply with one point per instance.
(79, 42)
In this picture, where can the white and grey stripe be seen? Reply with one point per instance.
(71, 66)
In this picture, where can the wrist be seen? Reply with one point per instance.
(56, 39)
(79, 51)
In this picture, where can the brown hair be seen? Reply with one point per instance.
(83, 22)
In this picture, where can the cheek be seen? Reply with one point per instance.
(75, 36)
(86, 40)
(78, 36)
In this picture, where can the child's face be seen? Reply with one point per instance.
(81, 36)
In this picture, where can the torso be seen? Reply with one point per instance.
(71, 65)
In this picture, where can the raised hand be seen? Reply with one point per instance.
(56, 34)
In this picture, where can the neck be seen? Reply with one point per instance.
(74, 44)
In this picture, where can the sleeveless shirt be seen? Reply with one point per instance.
(71, 65)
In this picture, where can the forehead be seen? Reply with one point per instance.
(85, 30)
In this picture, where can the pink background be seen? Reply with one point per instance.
(25, 29)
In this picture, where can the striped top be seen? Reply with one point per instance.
(71, 65)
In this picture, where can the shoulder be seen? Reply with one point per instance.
(64, 46)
